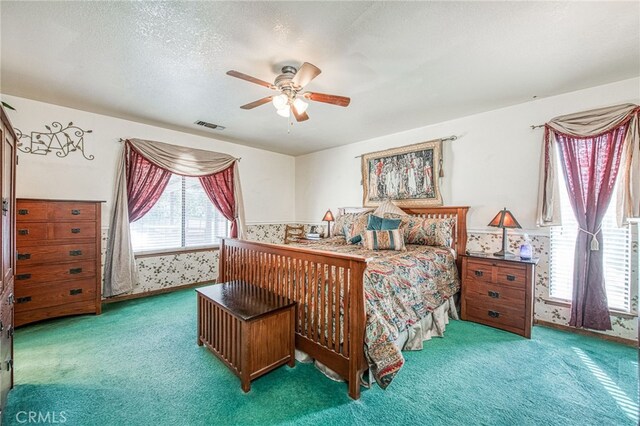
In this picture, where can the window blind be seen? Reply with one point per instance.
(183, 217)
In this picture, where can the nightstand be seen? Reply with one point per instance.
(498, 291)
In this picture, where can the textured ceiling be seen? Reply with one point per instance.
(404, 65)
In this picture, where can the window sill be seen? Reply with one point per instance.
(168, 252)
(613, 312)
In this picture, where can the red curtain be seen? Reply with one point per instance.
(145, 184)
(219, 189)
(590, 169)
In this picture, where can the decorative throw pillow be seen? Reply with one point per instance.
(353, 232)
(384, 240)
(342, 221)
(428, 231)
(377, 223)
(388, 207)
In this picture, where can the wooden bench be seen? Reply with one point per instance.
(249, 328)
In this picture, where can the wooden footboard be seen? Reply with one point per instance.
(328, 289)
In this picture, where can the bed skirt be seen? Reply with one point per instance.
(412, 339)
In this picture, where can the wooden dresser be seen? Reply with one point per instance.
(498, 291)
(7, 254)
(58, 260)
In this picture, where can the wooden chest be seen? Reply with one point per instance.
(249, 328)
(498, 292)
(58, 269)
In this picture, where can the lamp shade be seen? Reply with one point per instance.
(504, 219)
(328, 216)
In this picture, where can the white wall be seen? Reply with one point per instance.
(493, 164)
(267, 178)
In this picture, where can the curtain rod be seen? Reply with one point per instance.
(450, 138)
(536, 126)
(122, 140)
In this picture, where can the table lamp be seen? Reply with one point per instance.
(328, 217)
(504, 219)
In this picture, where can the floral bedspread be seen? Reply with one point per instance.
(401, 288)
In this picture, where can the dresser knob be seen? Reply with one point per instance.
(511, 277)
(23, 232)
(23, 276)
(23, 212)
(478, 273)
(75, 212)
(494, 314)
(75, 230)
(75, 291)
(75, 252)
(494, 294)
(75, 270)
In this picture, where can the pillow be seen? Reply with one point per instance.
(388, 207)
(342, 221)
(384, 240)
(353, 232)
(428, 231)
(377, 223)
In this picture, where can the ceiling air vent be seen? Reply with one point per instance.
(210, 125)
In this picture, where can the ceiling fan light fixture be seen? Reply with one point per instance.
(280, 101)
(300, 105)
(284, 112)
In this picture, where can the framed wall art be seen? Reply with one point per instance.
(408, 175)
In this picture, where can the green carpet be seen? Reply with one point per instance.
(138, 363)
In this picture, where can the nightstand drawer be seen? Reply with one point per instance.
(497, 316)
(512, 275)
(479, 270)
(494, 294)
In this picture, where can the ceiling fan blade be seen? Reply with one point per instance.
(299, 117)
(257, 103)
(242, 76)
(305, 74)
(328, 99)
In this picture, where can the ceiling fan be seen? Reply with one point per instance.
(290, 84)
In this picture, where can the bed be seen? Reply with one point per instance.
(347, 296)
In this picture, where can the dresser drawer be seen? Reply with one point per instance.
(72, 211)
(497, 316)
(38, 295)
(479, 270)
(72, 230)
(30, 255)
(55, 272)
(511, 275)
(477, 292)
(31, 211)
(27, 232)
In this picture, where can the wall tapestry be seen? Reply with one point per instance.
(407, 175)
(59, 139)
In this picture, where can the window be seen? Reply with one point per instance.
(183, 217)
(617, 255)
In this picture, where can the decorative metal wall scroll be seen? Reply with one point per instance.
(59, 138)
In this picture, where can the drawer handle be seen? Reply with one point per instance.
(23, 299)
(511, 277)
(75, 212)
(23, 231)
(478, 273)
(24, 256)
(75, 230)
(494, 314)
(23, 212)
(75, 252)
(23, 276)
(75, 291)
(75, 270)
(494, 294)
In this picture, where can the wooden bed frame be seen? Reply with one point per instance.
(282, 269)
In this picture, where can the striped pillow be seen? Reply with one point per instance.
(428, 231)
(388, 207)
(384, 240)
